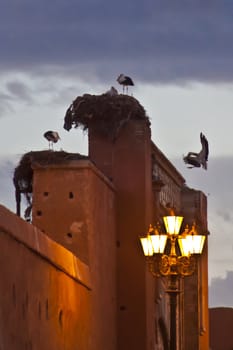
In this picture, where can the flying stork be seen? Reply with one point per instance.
(199, 159)
(52, 137)
(125, 81)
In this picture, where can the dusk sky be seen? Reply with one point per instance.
(180, 56)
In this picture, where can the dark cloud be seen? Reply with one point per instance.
(13, 91)
(220, 291)
(18, 90)
(153, 40)
(226, 215)
(5, 104)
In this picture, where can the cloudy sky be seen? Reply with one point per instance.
(180, 56)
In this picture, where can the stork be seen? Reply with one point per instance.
(125, 81)
(111, 92)
(52, 137)
(199, 159)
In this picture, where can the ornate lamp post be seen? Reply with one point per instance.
(179, 261)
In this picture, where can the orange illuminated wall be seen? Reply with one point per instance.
(45, 291)
(74, 204)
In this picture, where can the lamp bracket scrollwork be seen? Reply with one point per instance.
(167, 265)
(178, 256)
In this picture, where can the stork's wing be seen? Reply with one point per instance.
(205, 146)
(192, 161)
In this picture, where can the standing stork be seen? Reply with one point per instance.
(125, 81)
(199, 159)
(52, 137)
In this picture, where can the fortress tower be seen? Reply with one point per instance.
(127, 162)
(96, 206)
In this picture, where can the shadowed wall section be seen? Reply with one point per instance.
(127, 162)
(221, 320)
(196, 318)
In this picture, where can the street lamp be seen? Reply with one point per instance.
(161, 250)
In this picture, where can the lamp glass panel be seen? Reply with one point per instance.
(185, 245)
(191, 244)
(173, 224)
(146, 245)
(198, 244)
(158, 243)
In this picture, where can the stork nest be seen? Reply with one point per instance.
(23, 174)
(108, 114)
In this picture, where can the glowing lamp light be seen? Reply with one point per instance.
(173, 224)
(153, 242)
(147, 245)
(158, 243)
(191, 244)
(174, 262)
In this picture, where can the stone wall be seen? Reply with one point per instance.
(74, 203)
(45, 291)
